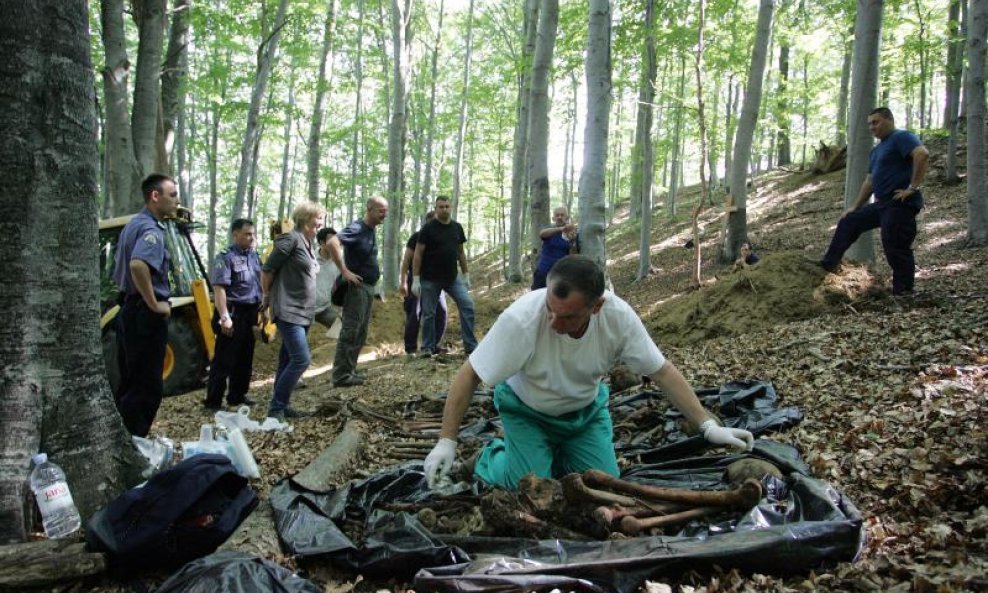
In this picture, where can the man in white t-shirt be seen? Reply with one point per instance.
(546, 354)
(325, 279)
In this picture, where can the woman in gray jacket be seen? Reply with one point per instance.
(288, 283)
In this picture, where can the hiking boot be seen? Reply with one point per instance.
(359, 375)
(211, 408)
(246, 401)
(291, 412)
(348, 381)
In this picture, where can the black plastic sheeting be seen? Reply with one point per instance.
(236, 572)
(801, 522)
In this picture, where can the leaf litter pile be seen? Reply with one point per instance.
(894, 392)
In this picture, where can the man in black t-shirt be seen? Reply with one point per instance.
(413, 312)
(439, 249)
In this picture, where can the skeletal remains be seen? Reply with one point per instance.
(631, 508)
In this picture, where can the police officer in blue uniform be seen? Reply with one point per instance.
(141, 273)
(896, 169)
(236, 280)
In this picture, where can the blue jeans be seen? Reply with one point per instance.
(464, 304)
(293, 359)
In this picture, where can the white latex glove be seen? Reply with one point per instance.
(417, 286)
(721, 435)
(465, 277)
(440, 461)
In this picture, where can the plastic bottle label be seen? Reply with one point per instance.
(54, 498)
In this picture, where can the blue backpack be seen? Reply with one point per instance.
(179, 515)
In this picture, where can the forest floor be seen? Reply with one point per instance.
(894, 391)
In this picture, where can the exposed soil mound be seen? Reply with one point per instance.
(781, 288)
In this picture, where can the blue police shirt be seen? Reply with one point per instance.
(239, 271)
(143, 238)
(554, 249)
(360, 251)
(891, 166)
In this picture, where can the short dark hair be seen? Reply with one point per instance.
(442, 198)
(324, 233)
(577, 273)
(882, 111)
(240, 223)
(153, 183)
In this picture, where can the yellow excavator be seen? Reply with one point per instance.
(191, 340)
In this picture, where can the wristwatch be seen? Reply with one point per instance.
(225, 317)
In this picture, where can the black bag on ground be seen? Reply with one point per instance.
(339, 291)
(179, 515)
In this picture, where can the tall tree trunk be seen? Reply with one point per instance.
(977, 168)
(358, 74)
(431, 126)
(643, 137)
(864, 87)
(701, 120)
(401, 14)
(712, 155)
(461, 130)
(315, 127)
(955, 66)
(592, 207)
(173, 76)
(783, 152)
(677, 135)
(214, 147)
(54, 396)
(286, 163)
(266, 55)
(520, 142)
(122, 171)
(150, 16)
(923, 67)
(737, 220)
(730, 107)
(571, 148)
(539, 136)
(845, 83)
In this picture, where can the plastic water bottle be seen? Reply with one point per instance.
(58, 513)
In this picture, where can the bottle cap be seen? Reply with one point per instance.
(40, 458)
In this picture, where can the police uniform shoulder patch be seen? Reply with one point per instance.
(150, 238)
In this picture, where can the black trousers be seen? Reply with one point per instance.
(142, 336)
(897, 221)
(233, 361)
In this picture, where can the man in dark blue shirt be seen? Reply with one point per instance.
(360, 272)
(141, 273)
(236, 280)
(896, 169)
(558, 241)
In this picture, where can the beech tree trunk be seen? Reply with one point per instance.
(864, 89)
(845, 83)
(592, 206)
(431, 126)
(677, 133)
(643, 135)
(783, 152)
(173, 76)
(266, 53)
(954, 70)
(538, 178)
(737, 221)
(315, 127)
(123, 174)
(520, 143)
(54, 396)
(150, 16)
(461, 130)
(401, 11)
(977, 168)
(358, 73)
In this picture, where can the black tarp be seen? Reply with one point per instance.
(235, 572)
(800, 523)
